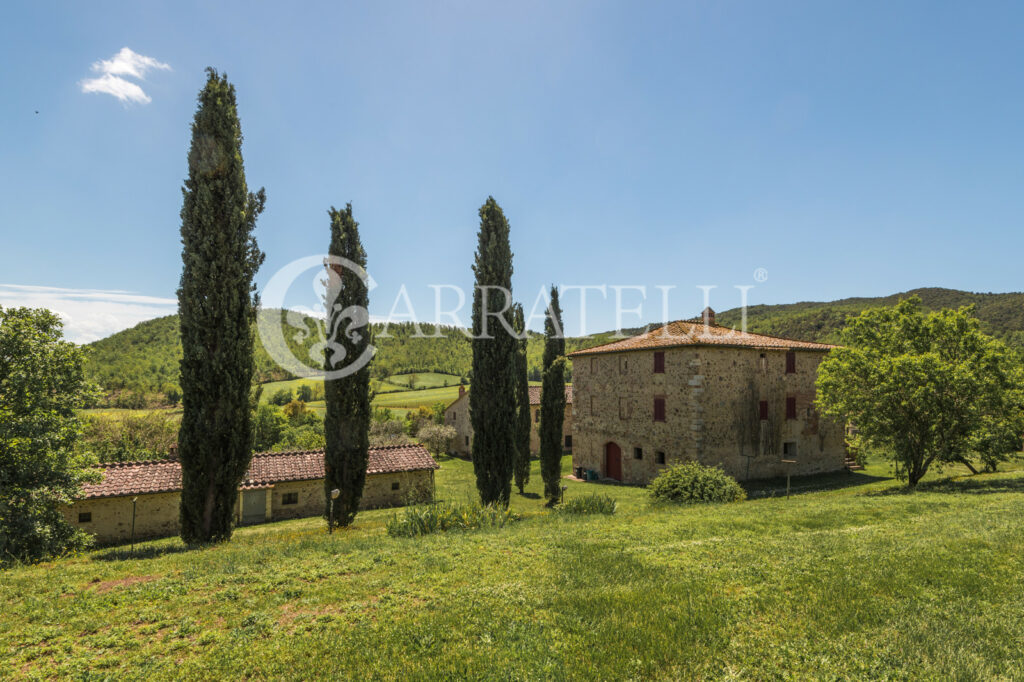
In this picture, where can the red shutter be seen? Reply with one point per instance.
(762, 408)
(790, 362)
(790, 407)
(659, 362)
(659, 409)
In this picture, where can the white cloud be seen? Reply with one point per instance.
(89, 314)
(124, 63)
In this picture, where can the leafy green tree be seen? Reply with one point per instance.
(269, 423)
(347, 423)
(552, 400)
(281, 397)
(492, 402)
(521, 473)
(304, 393)
(42, 384)
(217, 308)
(438, 438)
(923, 388)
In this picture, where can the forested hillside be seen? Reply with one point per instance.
(144, 359)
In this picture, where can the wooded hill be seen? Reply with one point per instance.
(145, 357)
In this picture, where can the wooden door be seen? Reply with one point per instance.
(613, 461)
(254, 506)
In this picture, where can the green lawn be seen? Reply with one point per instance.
(272, 387)
(413, 399)
(423, 380)
(860, 581)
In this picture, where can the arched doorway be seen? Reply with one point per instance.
(612, 461)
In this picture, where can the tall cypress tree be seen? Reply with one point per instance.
(492, 400)
(522, 466)
(347, 421)
(217, 306)
(552, 400)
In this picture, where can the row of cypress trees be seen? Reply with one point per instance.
(217, 306)
(499, 402)
(218, 303)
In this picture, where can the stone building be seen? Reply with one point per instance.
(694, 390)
(278, 485)
(457, 416)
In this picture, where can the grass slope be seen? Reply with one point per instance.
(859, 582)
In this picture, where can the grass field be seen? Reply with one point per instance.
(861, 581)
(423, 380)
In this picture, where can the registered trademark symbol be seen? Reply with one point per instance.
(760, 275)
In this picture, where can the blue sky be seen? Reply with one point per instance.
(856, 148)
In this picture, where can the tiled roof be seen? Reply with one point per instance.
(164, 476)
(695, 333)
(535, 395)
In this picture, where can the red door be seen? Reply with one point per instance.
(613, 461)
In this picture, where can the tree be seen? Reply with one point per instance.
(217, 307)
(268, 425)
(492, 402)
(281, 397)
(522, 466)
(42, 384)
(347, 422)
(923, 389)
(552, 400)
(304, 393)
(437, 438)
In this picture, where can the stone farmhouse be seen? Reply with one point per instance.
(278, 485)
(694, 390)
(457, 416)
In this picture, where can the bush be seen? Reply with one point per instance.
(281, 397)
(437, 439)
(693, 483)
(129, 436)
(384, 433)
(594, 503)
(442, 517)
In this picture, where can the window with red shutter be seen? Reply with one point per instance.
(659, 409)
(790, 407)
(762, 409)
(659, 362)
(791, 362)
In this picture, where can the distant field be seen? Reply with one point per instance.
(118, 411)
(413, 399)
(423, 380)
(273, 387)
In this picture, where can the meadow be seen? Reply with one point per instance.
(852, 578)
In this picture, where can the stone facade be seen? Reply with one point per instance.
(109, 519)
(734, 407)
(457, 416)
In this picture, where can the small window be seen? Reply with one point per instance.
(764, 362)
(791, 362)
(659, 362)
(394, 485)
(536, 416)
(659, 457)
(659, 409)
(789, 449)
(623, 364)
(762, 410)
(290, 498)
(790, 407)
(568, 442)
(638, 453)
(467, 441)
(624, 408)
(84, 517)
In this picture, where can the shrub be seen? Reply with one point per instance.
(441, 517)
(594, 503)
(437, 439)
(390, 432)
(693, 483)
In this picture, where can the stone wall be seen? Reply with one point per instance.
(457, 416)
(157, 514)
(712, 397)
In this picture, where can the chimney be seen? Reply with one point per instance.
(172, 452)
(462, 390)
(709, 317)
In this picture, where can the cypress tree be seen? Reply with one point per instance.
(217, 307)
(492, 400)
(522, 466)
(347, 421)
(552, 400)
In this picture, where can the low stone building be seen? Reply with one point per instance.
(694, 390)
(457, 416)
(278, 485)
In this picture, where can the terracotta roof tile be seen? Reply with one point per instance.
(164, 476)
(535, 395)
(695, 333)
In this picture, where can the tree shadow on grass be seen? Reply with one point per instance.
(530, 496)
(123, 552)
(980, 484)
(799, 485)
